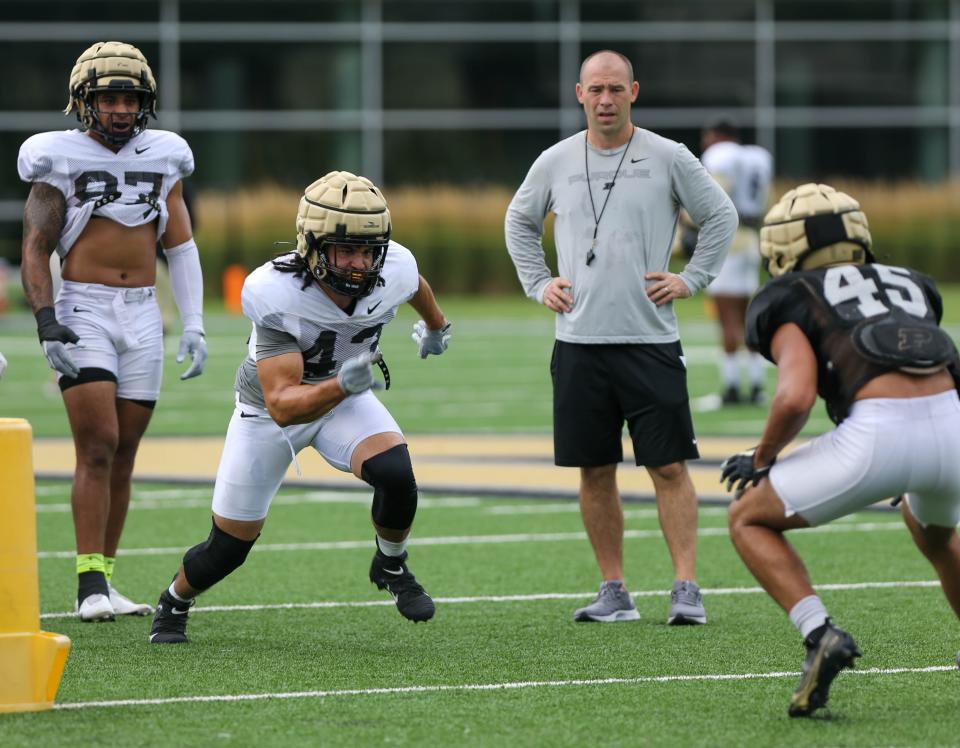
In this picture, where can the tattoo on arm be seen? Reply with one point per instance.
(43, 218)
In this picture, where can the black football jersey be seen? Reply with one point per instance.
(832, 306)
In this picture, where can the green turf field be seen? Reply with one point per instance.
(298, 648)
(494, 378)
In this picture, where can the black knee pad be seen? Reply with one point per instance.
(206, 564)
(394, 487)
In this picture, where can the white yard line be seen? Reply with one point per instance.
(174, 499)
(506, 686)
(522, 598)
(548, 537)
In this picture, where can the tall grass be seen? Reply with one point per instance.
(457, 232)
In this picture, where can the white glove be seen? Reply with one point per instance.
(431, 341)
(356, 374)
(60, 359)
(192, 342)
(3, 365)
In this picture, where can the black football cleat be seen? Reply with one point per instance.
(391, 573)
(170, 620)
(835, 651)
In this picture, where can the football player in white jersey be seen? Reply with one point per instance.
(744, 171)
(308, 380)
(101, 197)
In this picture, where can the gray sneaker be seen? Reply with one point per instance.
(686, 604)
(613, 603)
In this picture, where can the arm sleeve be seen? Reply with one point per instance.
(523, 227)
(186, 280)
(711, 210)
(271, 342)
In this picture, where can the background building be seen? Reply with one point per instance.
(469, 92)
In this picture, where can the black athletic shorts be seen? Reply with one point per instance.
(598, 387)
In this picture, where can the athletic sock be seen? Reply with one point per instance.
(731, 370)
(91, 583)
(755, 367)
(808, 615)
(108, 563)
(389, 548)
(175, 596)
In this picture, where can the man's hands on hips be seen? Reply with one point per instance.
(665, 288)
(556, 295)
(192, 344)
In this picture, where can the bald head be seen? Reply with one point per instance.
(608, 61)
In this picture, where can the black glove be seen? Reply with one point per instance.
(739, 469)
(49, 329)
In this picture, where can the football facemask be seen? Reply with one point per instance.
(342, 276)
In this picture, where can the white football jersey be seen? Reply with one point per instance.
(745, 172)
(325, 334)
(129, 186)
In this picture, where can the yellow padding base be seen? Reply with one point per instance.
(32, 664)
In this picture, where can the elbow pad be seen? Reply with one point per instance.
(186, 279)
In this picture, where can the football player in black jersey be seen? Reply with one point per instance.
(866, 338)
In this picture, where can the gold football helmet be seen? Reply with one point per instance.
(117, 67)
(812, 226)
(343, 209)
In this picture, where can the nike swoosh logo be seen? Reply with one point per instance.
(138, 151)
(248, 415)
(177, 612)
(398, 572)
(371, 308)
(78, 309)
(638, 160)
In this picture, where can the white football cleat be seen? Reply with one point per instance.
(97, 608)
(124, 606)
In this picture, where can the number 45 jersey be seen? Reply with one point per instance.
(861, 320)
(288, 318)
(129, 186)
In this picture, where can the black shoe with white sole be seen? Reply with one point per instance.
(391, 573)
(170, 620)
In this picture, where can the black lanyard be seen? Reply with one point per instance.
(608, 187)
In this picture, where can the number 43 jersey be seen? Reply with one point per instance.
(129, 186)
(288, 318)
(861, 320)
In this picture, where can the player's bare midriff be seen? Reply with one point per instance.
(897, 384)
(112, 254)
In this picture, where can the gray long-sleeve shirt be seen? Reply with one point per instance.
(634, 237)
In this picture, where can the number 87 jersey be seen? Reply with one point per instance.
(129, 186)
(288, 318)
(861, 320)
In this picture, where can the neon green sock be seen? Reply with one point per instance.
(90, 562)
(108, 563)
